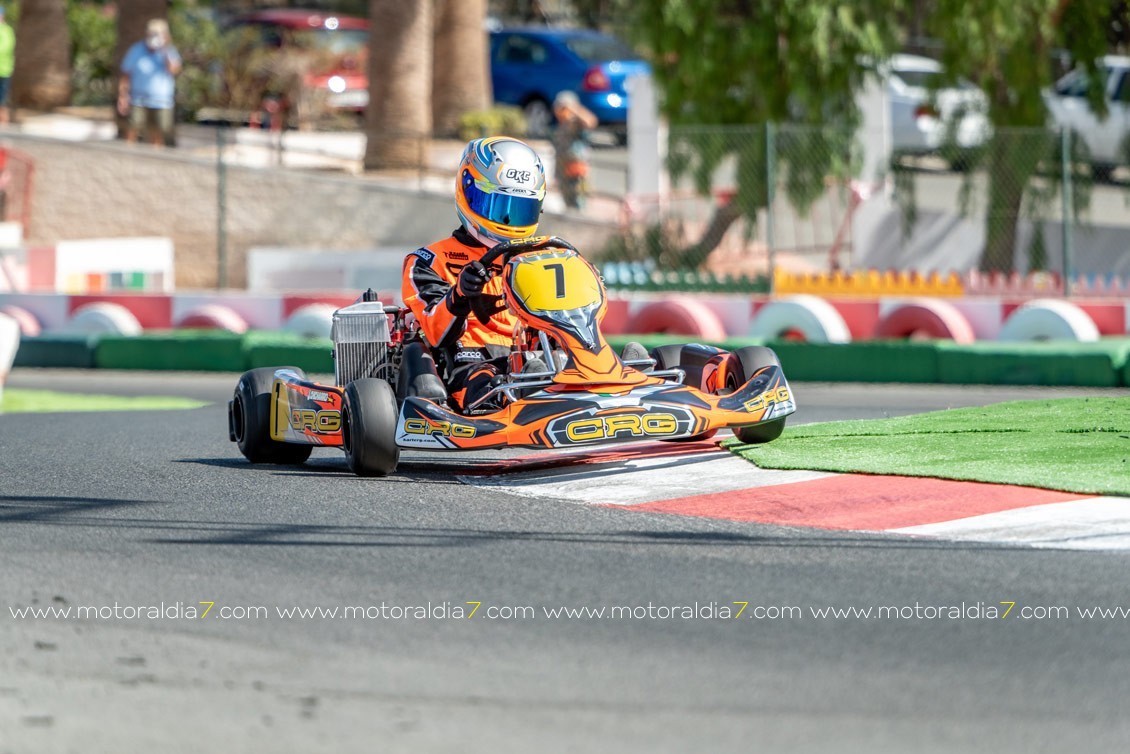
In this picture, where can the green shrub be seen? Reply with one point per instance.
(501, 120)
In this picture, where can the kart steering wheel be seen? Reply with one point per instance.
(507, 249)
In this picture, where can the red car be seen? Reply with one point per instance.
(341, 40)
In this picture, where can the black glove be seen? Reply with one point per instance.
(472, 278)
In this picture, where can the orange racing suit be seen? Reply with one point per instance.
(449, 324)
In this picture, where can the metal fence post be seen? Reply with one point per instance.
(221, 211)
(771, 189)
(1068, 196)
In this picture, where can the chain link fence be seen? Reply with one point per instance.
(753, 202)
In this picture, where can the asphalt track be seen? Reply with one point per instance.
(136, 509)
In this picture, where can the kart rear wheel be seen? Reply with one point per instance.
(368, 428)
(750, 359)
(251, 420)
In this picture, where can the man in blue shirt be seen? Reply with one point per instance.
(147, 86)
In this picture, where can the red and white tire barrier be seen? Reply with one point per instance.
(28, 322)
(103, 318)
(679, 316)
(925, 318)
(213, 317)
(311, 321)
(9, 344)
(804, 316)
(657, 478)
(1049, 319)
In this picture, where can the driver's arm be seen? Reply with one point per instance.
(433, 299)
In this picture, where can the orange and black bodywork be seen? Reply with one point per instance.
(594, 398)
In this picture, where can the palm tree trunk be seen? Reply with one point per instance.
(460, 76)
(42, 78)
(1013, 158)
(398, 120)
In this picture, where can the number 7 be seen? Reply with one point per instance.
(558, 277)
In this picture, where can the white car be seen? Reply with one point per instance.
(923, 119)
(1107, 140)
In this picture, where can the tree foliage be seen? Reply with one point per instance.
(794, 62)
(1006, 48)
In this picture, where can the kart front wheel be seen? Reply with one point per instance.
(749, 360)
(369, 427)
(250, 418)
(669, 357)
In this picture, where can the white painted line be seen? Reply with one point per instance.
(642, 480)
(1100, 523)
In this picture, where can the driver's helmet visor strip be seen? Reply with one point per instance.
(506, 209)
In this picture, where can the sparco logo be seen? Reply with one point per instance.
(522, 176)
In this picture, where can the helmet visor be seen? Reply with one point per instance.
(505, 209)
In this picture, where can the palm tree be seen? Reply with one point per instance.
(398, 120)
(460, 76)
(42, 78)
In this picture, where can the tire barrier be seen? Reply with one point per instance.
(9, 344)
(682, 316)
(800, 317)
(311, 321)
(924, 317)
(103, 318)
(28, 322)
(213, 317)
(1049, 319)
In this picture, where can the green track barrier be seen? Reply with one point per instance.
(57, 351)
(266, 349)
(1047, 363)
(1102, 364)
(181, 350)
(872, 361)
(868, 361)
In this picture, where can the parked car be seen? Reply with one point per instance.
(928, 119)
(339, 77)
(531, 66)
(1107, 140)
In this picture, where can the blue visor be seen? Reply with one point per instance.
(505, 209)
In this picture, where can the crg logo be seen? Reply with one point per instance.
(522, 176)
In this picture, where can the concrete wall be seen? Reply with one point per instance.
(99, 189)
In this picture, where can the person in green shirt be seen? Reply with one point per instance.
(7, 63)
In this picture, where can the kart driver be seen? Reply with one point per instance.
(459, 305)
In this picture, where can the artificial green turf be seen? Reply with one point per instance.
(45, 401)
(1071, 444)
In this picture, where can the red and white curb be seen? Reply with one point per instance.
(698, 479)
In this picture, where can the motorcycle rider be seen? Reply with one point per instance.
(499, 189)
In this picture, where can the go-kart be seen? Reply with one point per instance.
(387, 392)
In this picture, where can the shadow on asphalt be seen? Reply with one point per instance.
(86, 512)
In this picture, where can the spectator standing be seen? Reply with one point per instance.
(571, 147)
(147, 86)
(7, 64)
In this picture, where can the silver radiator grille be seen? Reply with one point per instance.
(361, 337)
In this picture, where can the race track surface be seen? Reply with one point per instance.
(121, 512)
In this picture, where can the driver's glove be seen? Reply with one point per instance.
(472, 278)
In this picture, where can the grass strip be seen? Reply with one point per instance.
(19, 401)
(1072, 444)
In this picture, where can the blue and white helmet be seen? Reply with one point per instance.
(499, 189)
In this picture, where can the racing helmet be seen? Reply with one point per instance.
(499, 189)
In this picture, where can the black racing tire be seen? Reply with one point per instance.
(750, 360)
(368, 427)
(251, 420)
(667, 357)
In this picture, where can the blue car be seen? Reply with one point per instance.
(530, 66)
